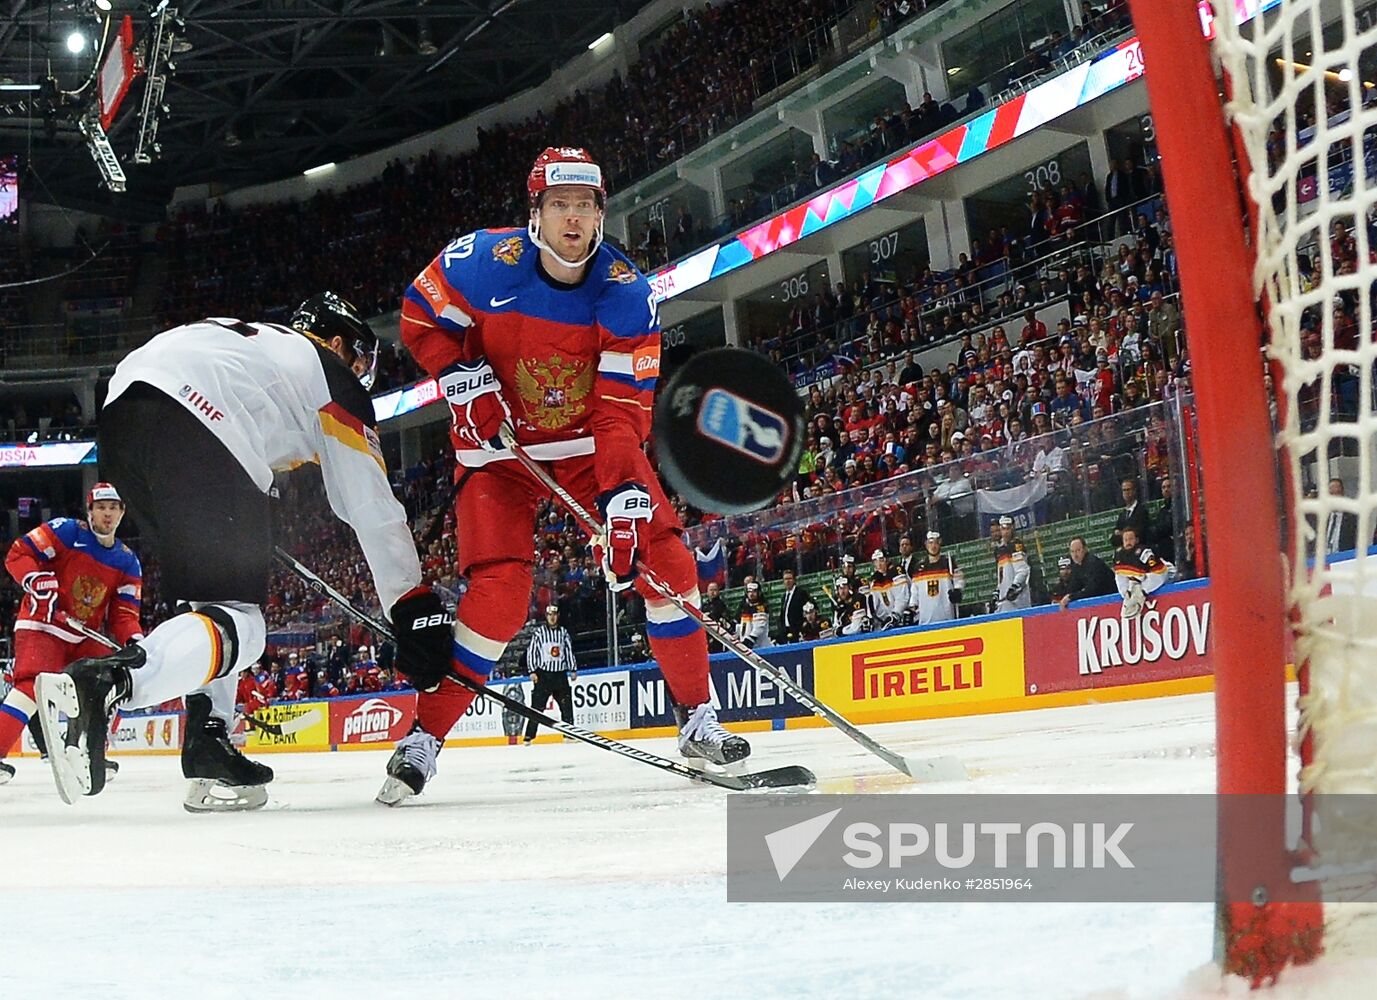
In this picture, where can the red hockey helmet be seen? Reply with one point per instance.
(560, 165)
(102, 491)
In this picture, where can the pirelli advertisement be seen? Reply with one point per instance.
(923, 674)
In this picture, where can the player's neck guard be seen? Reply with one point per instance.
(533, 231)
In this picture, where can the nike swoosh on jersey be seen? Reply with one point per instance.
(497, 303)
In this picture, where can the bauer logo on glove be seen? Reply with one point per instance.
(476, 405)
(425, 637)
(622, 509)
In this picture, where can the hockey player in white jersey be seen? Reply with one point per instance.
(850, 613)
(937, 583)
(1138, 571)
(193, 427)
(887, 592)
(753, 625)
(1011, 567)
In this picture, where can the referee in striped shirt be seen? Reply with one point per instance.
(550, 662)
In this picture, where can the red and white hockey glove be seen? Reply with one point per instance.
(624, 510)
(41, 586)
(475, 401)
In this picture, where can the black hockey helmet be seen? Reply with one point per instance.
(326, 316)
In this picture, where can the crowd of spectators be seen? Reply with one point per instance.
(1006, 276)
(334, 671)
(1098, 22)
(105, 261)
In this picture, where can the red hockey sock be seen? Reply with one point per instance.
(475, 656)
(683, 660)
(15, 712)
(438, 710)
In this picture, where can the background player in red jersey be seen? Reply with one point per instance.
(557, 332)
(68, 569)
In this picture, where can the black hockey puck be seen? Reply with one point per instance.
(728, 429)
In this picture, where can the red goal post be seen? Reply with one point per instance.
(1259, 933)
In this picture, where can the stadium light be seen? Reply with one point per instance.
(323, 168)
(606, 36)
(103, 6)
(76, 41)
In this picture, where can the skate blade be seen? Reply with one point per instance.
(393, 792)
(56, 696)
(734, 768)
(206, 795)
(5, 776)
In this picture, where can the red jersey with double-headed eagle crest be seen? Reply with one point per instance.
(577, 363)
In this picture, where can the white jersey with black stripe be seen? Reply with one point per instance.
(277, 400)
(550, 649)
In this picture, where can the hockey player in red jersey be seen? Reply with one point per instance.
(557, 332)
(68, 570)
(250, 697)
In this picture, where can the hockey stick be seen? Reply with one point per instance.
(77, 626)
(288, 728)
(779, 777)
(931, 769)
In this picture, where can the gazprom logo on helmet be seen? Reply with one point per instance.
(589, 174)
(103, 491)
(742, 425)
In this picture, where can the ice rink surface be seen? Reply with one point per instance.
(564, 871)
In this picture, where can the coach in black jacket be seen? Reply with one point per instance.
(1090, 576)
(791, 608)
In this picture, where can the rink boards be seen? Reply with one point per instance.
(998, 663)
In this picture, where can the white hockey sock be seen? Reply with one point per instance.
(191, 651)
(184, 653)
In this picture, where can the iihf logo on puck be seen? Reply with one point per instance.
(742, 425)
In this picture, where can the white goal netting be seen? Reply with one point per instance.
(1303, 96)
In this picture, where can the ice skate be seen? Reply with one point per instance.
(222, 778)
(702, 737)
(412, 764)
(6, 772)
(87, 693)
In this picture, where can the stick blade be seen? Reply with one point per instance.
(935, 769)
(793, 776)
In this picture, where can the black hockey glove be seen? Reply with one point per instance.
(1014, 590)
(955, 596)
(425, 637)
